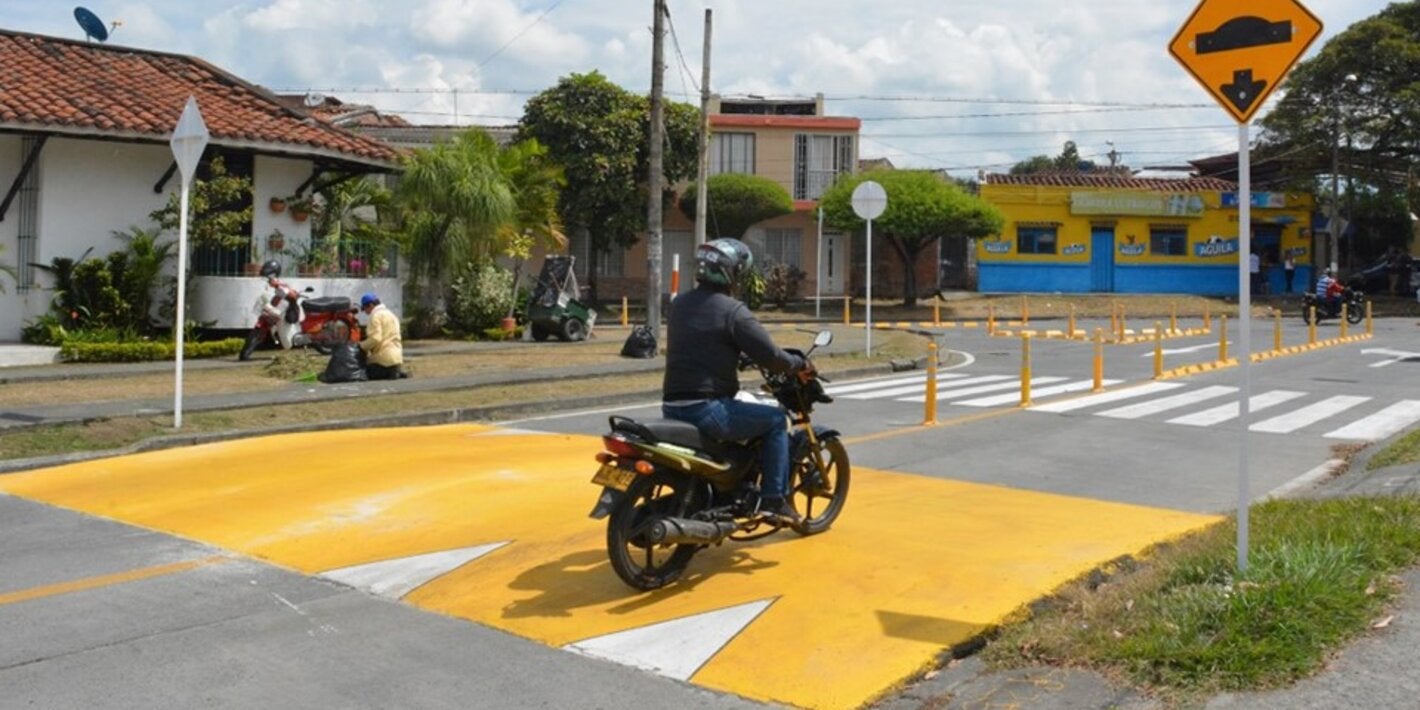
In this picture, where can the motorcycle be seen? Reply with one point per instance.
(328, 322)
(668, 492)
(1353, 299)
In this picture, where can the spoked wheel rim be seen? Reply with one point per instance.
(638, 563)
(819, 496)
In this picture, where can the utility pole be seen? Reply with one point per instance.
(657, 172)
(703, 176)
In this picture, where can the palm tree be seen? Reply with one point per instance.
(458, 200)
(537, 185)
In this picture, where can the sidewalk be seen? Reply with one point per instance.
(1375, 671)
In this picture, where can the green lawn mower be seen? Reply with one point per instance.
(554, 308)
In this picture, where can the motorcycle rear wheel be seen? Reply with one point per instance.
(637, 563)
(831, 485)
(1354, 313)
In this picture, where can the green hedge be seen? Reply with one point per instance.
(146, 351)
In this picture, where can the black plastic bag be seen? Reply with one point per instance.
(344, 365)
(641, 343)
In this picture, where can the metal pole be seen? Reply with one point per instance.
(1334, 225)
(1245, 335)
(655, 173)
(929, 417)
(1099, 360)
(1025, 368)
(869, 268)
(703, 171)
(1158, 349)
(180, 317)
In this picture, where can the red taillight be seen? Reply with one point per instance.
(605, 458)
(619, 446)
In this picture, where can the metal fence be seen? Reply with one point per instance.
(340, 258)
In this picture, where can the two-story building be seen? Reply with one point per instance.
(789, 141)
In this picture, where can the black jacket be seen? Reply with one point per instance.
(707, 331)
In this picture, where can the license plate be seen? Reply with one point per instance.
(614, 477)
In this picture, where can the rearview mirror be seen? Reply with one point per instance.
(823, 338)
(310, 289)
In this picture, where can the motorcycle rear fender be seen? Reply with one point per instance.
(606, 502)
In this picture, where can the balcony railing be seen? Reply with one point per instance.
(342, 259)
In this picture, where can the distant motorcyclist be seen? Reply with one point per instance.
(706, 332)
(1328, 292)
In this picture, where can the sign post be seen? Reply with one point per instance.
(188, 142)
(869, 202)
(1239, 59)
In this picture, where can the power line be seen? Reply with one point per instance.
(1045, 132)
(520, 33)
(684, 68)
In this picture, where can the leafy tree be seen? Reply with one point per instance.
(537, 183)
(922, 207)
(459, 200)
(220, 210)
(1068, 161)
(1360, 97)
(598, 132)
(737, 202)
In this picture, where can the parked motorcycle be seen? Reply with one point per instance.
(328, 322)
(1354, 301)
(670, 492)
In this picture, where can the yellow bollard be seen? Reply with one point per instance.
(847, 310)
(1113, 318)
(1025, 310)
(1099, 359)
(1072, 322)
(1120, 336)
(930, 417)
(625, 316)
(936, 310)
(1311, 326)
(1277, 332)
(1370, 324)
(990, 319)
(1222, 339)
(1343, 321)
(1025, 369)
(1158, 349)
(1207, 319)
(1173, 317)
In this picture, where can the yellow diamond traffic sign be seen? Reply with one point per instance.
(1239, 51)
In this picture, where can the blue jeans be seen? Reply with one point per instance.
(730, 419)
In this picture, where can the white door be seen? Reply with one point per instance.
(835, 263)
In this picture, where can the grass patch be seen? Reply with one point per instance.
(1184, 625)
(1407, 450)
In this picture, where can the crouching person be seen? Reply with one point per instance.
(382, 346)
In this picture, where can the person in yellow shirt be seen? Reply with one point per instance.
(382, 346)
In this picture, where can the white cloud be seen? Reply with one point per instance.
(320, 15)
(493, 24)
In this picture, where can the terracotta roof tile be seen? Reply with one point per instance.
(1114, 182)
(49, 82)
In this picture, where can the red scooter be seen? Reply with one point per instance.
(328, 322)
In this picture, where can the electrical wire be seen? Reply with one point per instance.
(520, 33)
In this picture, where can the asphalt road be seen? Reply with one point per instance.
(262, 573)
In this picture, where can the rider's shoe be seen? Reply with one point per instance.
(781, 511)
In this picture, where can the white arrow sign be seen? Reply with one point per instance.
(1396, 356)
(188, 141)
(1192, 348)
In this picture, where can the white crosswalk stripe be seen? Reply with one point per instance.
(1148, 400)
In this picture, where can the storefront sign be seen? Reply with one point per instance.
(1216, 246)
(997, 247)
(1264, 200)
(1073, 250)
(1147, 204)
(1133, 249)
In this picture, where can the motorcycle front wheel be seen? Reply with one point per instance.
(819, 494)
(637, 562)
(1355, 312)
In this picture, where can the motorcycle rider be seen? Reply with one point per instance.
(1328, 293)
(271, 271)
(707, 329)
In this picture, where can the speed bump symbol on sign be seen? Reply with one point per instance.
(1240, 58)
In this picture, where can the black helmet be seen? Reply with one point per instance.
(722, 262)
(271, 268)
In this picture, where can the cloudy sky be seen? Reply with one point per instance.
(964, 86)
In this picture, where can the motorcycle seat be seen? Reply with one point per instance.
(680, 433)
(328, 304)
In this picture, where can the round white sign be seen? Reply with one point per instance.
(869, 200)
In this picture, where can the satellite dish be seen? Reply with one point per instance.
(93, 27)
(313, 100)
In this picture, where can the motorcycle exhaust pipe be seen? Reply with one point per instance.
(681, 531)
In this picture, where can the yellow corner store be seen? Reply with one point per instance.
(1115, 234)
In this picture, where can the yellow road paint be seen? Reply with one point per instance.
(915, 564)
(79, 585)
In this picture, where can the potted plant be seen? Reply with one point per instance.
(276, 241)
(300, 208)
(278, 204)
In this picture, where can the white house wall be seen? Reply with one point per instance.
(13, 305)
(278, 177)
(233, 302)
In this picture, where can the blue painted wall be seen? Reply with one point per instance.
(1153, 278)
